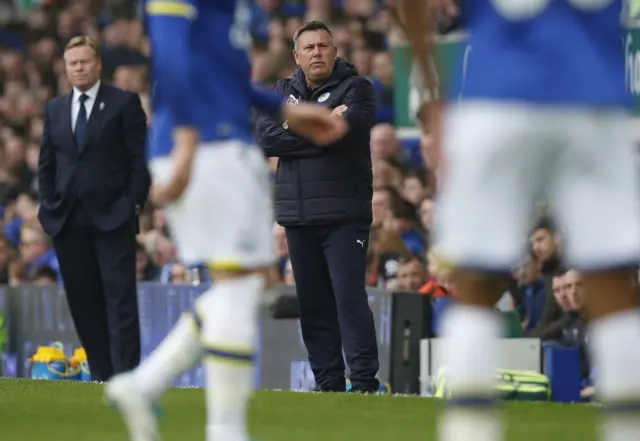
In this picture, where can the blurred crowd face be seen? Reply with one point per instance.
(427, 214)
(179, 273)
(380, 207)
(14, 89)
(129, 78)
(383, 68)
(260, 67)
(32, 245)
(276, 36)
(527, 273)
(411, 275)
(162, 251)
(316, 54)
(83, 67)
(385, 175)
(45, 50)
(14, 154)
(27, 209)
(560, 293)
(393, 223)
(359, 8)
(11, 65)
(36, 129)
(135, 33)
(543, 244)
(363, 61)
(575, 290)
(292, 24)
(413, 190)
(318, 10)
(384, 143)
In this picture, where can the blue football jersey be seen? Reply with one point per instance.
(201, 71)
(563, 52)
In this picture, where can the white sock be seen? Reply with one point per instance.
(229, 334)
(178, 352)
(615, 345)
(471, 359)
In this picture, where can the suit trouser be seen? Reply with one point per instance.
(329, 266)
(98, 272)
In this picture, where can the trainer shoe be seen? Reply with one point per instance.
(370, 389)
(139, 414)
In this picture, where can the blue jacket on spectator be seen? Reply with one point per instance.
(12, 230)
(534, 298)
(316, 186)
(385, 112)
(47, 259)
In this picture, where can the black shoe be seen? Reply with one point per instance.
(368, 388)
(363, 390)
(330, 388)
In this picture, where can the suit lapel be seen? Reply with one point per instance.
(94, 125)
(66, 123)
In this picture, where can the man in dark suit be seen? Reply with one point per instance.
(93, 179)
(323, 199)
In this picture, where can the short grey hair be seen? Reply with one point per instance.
(315, 25)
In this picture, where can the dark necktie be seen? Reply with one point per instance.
(81, 123)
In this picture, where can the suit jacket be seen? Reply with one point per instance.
(108, 175)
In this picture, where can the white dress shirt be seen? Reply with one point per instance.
(88, 104)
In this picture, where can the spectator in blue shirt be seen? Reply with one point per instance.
(382, 80)
(23, 204)
(531, 293)
(36, 250)
(402, 218)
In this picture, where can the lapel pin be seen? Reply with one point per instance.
(101, 105)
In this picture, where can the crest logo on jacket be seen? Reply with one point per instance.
(324, 97)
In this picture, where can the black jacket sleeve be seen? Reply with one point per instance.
(360, 114)
(277, 141)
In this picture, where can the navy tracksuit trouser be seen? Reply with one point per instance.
(329, 266)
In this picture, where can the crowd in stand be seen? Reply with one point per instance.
(32, 71)
(32, 37)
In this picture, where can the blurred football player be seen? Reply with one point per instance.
(216, 189)
(544, 108)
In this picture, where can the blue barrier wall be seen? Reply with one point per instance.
(39, 316)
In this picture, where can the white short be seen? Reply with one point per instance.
(499, 157)
(225, 217)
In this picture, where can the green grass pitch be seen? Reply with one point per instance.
(63, 411)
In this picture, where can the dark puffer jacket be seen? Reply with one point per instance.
(316, 186)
